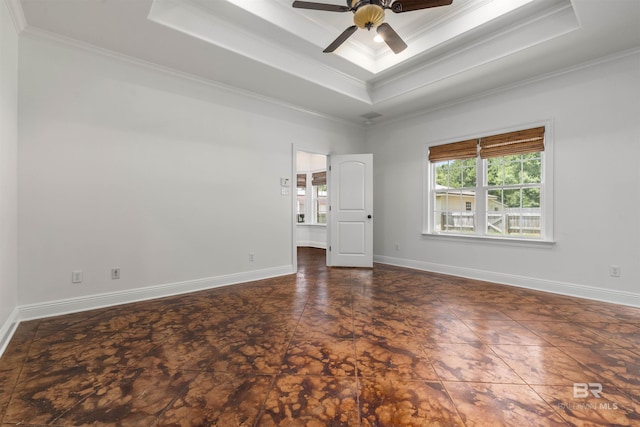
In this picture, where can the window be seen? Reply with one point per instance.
(455, 195)
(311, 196)
(301, 196)
(514, 186)
(311, 202)
(319, 186)
(492, 186)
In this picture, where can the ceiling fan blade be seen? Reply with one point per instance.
(400, 6)
(391, 38)
(341, 39)
(320, 6)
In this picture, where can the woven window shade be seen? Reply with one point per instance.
(301, 180)
(319, 178)
(454, 151)
(512, 143)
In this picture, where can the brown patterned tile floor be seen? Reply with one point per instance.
(331, 347)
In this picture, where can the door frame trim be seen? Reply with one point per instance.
(294, 171)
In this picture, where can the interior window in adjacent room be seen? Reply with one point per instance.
(319, 185)
(301, 196)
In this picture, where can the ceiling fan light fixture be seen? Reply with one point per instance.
(368, 16)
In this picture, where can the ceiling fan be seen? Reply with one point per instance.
(369, 14)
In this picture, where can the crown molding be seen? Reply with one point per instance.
(195, 21)
(557, 21)
(47, 35)
(17, 15)
(513, 86)
(425, 30)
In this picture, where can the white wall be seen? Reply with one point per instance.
(170, 180)
(595, 114)
(310, 162)
(175, 182)
(8, 174)
(314, 236)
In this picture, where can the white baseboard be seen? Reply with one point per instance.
(8, 328)
(569, 289)
(72, 305)
(90, 302)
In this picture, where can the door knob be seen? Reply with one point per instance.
(369, 216)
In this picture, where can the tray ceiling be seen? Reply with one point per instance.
(274, 51)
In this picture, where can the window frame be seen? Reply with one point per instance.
(315, 196)
(311, 200)
(297, 197)
(546, 188)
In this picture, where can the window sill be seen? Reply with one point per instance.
(506, 241)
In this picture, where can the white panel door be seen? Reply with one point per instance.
(350, 210)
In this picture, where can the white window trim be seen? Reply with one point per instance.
(547, 196)
(310, 208)
(315, 204)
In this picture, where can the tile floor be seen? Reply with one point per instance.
(331, 347)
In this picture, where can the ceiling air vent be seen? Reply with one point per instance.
(372, 115)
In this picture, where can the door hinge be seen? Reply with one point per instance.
(329, 168)
(329, 248)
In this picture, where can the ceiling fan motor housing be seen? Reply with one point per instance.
(367, 13)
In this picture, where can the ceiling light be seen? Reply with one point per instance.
(378, 38)
(368, 16)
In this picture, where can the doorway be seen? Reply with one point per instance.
(346, 231)
(310, 200)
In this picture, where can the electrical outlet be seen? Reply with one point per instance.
(115, 273)
(252, 256)
(76, 276)
(614, 270)
(397, 247)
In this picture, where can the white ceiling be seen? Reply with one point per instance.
(268, 48)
